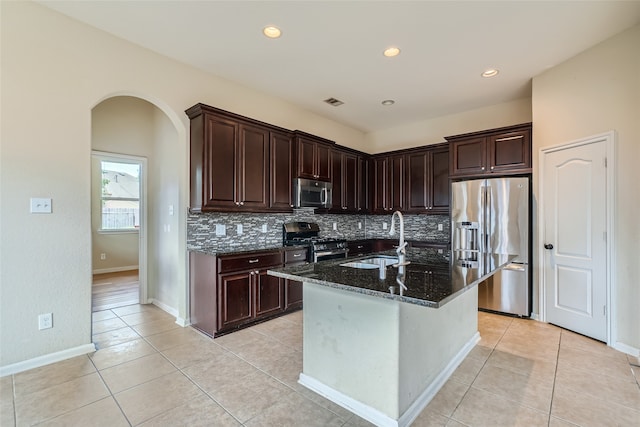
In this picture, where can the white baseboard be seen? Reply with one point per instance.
(172, 311)
(430, 392)
(633, 351)
(47, 359)
(375, 416)
(115, 269)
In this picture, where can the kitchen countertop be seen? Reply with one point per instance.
(261, 247)
(229, 250)
(432, 278)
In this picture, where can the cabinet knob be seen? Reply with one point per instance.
(253, 261)
(291, 205)
(482, 168)
(492, 167)
(241, 203)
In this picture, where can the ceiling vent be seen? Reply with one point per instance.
(334, 102)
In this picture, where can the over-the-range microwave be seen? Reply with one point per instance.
(310, 193)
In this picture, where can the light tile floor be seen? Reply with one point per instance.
(148, 371)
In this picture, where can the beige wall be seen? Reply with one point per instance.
(433, 131)
(592, 93)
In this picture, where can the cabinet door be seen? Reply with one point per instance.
(281, 172)
(418, 172)
(253, 168)
(323, 162)
(380, 181)
(269, 294)
(397, 183)
(363, 190)
(306, 158)
(439, 181)
(337, 200)
(219, 179)
(350, 182)
(468, 156)
(510, 151)
(235, 297)
(293, 294)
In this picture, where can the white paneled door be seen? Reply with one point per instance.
(574, 199)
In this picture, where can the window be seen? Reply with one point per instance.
(120, 195)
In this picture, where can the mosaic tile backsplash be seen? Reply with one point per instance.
(201, 228)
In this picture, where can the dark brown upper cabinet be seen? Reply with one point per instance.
(313, 156)
(496, 151)
(427, 180)
(348, 178)
(282, 162)
(236, 163)
(388, 183)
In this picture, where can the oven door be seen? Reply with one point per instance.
(327, 255)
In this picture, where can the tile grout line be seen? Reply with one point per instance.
(480, 370)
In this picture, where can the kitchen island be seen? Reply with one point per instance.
(382, 351)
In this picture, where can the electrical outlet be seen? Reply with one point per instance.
(264, 228)
(385, 225)
(45, 321)
(170, 209)
(335, 226)
(439, 227)
(221, 230)
(103, 256)
(359, 225)
(239, 229)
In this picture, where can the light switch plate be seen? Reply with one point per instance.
(239, 229)
(335, 225)
(359, 225)
(439, 227)
(264, 228)
(384, 225)
(221, 230)
(40, 205)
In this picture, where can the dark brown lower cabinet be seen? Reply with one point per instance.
(294, 295)
(230, 292)
(269, 294)
(235, 296)
(293, 288)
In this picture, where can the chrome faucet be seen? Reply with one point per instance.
(401, 250)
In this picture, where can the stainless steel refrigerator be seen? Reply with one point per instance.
(493, 216)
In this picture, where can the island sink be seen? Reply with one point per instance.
(371, 263)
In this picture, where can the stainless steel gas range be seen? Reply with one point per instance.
(308, 234)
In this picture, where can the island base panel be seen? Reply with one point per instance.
(383, 359)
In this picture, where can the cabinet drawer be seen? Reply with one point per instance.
(249, 262)
(292, 256)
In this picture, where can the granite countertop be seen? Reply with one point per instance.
(432, 278)
(244, 249)
(261, 247)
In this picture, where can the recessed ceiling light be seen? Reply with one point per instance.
(272, 32)
(391, 52)
(387, 102)
(490, 73)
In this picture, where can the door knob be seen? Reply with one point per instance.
(548, 246)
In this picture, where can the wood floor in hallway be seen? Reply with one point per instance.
(112, 290)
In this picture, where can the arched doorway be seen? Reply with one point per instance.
(134, 126)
